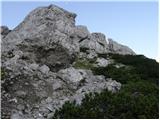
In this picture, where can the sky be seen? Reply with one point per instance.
(134, 24)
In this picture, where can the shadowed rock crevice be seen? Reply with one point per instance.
(55, 58)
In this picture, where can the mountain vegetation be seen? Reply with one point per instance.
(53, 68)
(138, 97)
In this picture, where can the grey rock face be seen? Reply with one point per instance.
(40, 21)
(44, 37)
(40, 92)
(96, 42)
(4, 31)
(114, 47)
(37, 59)
(82, 32)
(55, 58)
(44, 69)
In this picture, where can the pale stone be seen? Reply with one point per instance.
(44, 69)
(101, 62)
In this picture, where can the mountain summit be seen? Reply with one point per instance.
(47, 60)
(53, 25)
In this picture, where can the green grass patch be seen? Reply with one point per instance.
(83, 64)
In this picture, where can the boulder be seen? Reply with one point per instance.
(113, 85)
(41, 24)
(70, 75)
(100, 38)
(82, 32)
(101, 62)
(96, 42)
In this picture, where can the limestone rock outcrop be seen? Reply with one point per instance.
(96, 42)
(37, 62)
(115, 47)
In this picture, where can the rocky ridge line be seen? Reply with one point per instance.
(38, 59)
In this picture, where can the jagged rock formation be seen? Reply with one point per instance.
(37, 61)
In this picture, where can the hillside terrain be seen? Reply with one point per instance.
(52, 68)
(137, 98)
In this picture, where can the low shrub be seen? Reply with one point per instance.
(137, 99)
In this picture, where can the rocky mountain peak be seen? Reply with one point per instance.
(42, 58)
(50, 16)
(45, 23)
